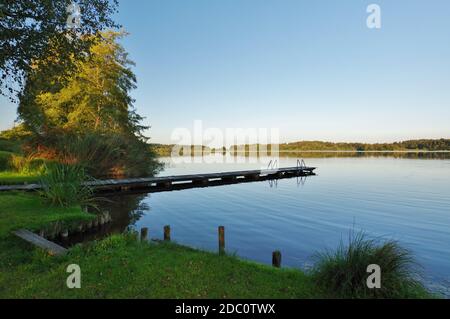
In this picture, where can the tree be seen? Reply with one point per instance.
(94, 97)
(89, 119)
(28, 26)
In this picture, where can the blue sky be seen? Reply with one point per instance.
(310, 68)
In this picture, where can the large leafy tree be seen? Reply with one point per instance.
(89, 118)
(27, 27)
(94, 97)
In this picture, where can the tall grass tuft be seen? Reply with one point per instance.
(343, 273)
(63, 185)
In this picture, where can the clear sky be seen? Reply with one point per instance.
(313, 69)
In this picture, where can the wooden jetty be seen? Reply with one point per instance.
(52, 248)
(166, 183)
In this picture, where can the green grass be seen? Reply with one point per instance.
(17, 169)
(120, 267)
(23, 210)
(15, 178)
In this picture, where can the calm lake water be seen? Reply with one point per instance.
(390, 198)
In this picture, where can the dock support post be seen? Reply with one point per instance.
(167, 233)
(276, 259)
(167, 184)
(229, 179)
(203, 181)
(144, 234)
(221, 240)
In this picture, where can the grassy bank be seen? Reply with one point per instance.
(122, 267)
(14, 178)
(23, 210)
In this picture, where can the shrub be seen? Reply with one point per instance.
(27, 165)
(10, 145)
(63, 185)
(19, 163)
(343, 273)
(101, 155)
(5, 159)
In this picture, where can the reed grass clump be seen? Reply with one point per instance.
(344, 272)
(63, 185)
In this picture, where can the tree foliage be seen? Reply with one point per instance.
(89, 119)
(415, 145)
(94, 97)
(27, 27)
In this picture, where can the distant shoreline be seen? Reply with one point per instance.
(423, 146)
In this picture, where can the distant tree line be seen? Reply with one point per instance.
(411, 145)
(311, 146)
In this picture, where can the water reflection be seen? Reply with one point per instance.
(125, 211)
(351, 154)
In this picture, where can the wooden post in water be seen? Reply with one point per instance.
(167, 233)
(144, 234)
(221, 240)
(276, 259)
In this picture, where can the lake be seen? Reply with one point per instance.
(405, 199)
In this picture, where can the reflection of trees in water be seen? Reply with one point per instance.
(125, 211)
(139, 209)
(341, 154)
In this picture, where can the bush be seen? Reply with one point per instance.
(5, 158)
(343, 273)
(27, 165)
(23, 165)
(63, 185)
(101, 155)
(9, 145)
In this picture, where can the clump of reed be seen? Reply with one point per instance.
(64, 185)
(344, 272)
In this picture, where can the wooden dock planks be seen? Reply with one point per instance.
(167, 181)
(52, 248)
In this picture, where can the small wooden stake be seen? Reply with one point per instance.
(144, 234)
(276, 259)
(167, 233)
(221, 240)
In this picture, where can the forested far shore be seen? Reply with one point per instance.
(428, 145)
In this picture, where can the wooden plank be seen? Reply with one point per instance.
(40, 242)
